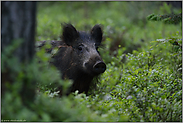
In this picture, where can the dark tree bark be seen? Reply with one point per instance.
(18, 22)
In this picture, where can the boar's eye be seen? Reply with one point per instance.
(80, 48)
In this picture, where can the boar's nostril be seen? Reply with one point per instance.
(99, 67)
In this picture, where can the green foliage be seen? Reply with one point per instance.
(149, 84)
(143, 80)
(167, 19)
(167, 16)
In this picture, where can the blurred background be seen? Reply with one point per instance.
(124, 23)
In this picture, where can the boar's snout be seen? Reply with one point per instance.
(99, 67)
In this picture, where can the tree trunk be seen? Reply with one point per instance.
(18, 22)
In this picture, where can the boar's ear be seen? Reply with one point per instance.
(96, 33)
(70, 34)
